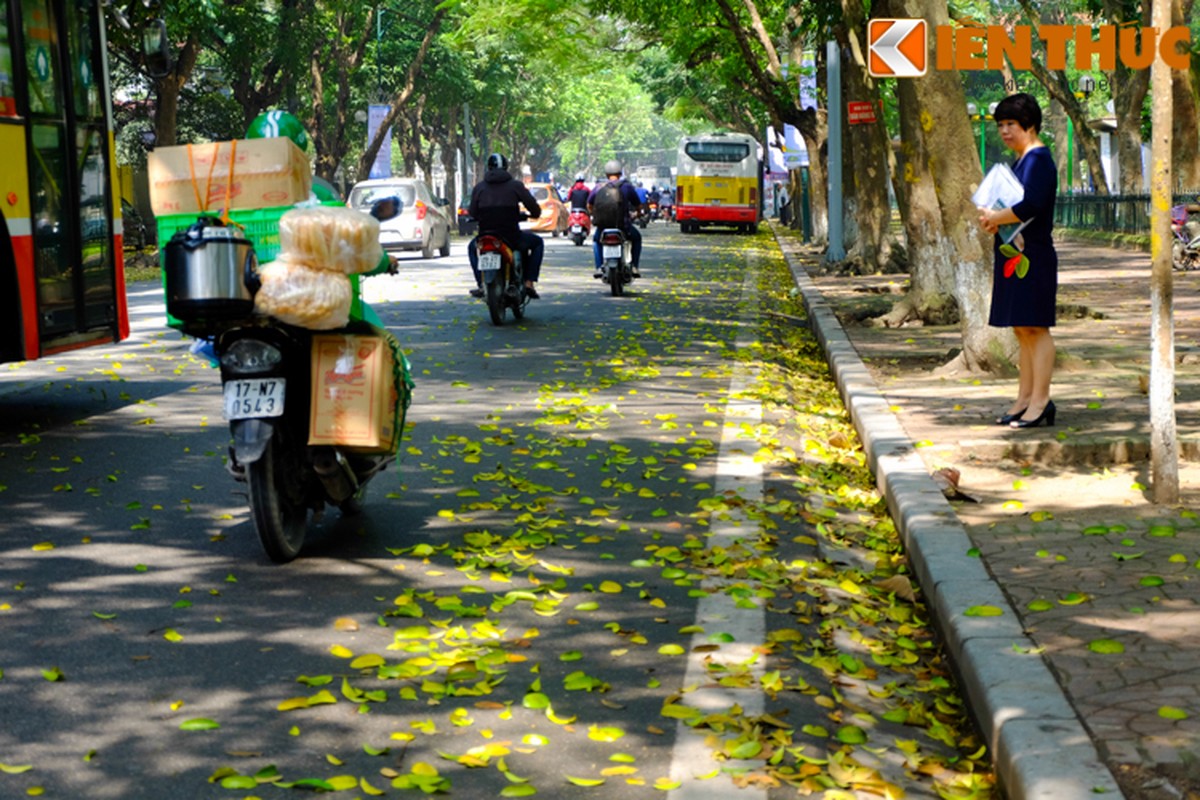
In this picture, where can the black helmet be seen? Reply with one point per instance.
(612, 167)
(497, 161)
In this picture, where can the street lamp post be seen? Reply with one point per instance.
(977, 116)
(1087, 85)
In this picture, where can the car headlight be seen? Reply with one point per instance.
(251, 357)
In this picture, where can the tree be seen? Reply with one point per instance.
(405, 90)
(949, 256)
(188, 25)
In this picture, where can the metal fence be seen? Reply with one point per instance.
(1116, 213)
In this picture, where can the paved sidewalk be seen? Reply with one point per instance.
(1063, 540)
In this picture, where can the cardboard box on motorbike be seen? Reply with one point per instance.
(190, 179)
(357, 387)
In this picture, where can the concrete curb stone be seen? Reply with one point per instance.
(1040, 748)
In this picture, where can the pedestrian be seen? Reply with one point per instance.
(783, 202)
(1025, 272)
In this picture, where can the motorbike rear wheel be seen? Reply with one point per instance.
(495, 301)
(616, 281)
(277, 501)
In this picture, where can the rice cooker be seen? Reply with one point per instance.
(211, 273)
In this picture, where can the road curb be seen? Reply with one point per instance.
(1040, 748)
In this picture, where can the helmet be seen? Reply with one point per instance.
(270, 124)
(612, 167)
(497, 161)
(579, 178)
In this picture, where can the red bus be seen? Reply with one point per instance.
(61, 262)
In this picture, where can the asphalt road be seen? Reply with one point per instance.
(526, 574)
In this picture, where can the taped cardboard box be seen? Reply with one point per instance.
(190, 179)
(354, 393)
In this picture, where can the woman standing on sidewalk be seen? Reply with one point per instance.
(1025, 277)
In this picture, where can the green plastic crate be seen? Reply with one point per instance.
(261, 226)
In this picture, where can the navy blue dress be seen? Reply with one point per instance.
(1029, 300)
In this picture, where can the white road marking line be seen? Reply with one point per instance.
(738, 472)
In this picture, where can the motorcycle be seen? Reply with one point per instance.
(1185, 247)
(642, 218)
(653, 212)
(579, 226)
(503, 278)
(271, 376)
(616, 268)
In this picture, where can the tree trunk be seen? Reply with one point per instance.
(397, 103)
(942, 166)
(1059, 88)
(869, 146)
(1129, 93)
(168, 88)
(1185, 89)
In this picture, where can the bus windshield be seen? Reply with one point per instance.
(722, 152)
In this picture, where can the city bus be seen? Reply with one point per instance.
(659, 176)
(718, 182)
(61, 262)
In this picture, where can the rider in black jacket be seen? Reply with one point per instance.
(496, 203)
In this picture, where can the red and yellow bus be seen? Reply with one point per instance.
(61, 262)
(718, 182)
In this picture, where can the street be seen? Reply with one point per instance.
(611, 522)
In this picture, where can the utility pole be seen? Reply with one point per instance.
(833, 68)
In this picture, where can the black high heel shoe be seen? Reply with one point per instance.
(1007, 418)
(1047, 415)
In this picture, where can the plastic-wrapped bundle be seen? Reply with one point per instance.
(318, 299)
(331, 238)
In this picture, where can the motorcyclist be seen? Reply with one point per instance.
(496, 203)
(577, 195)
(665, 201)
(1191, 226)
(653, 197)
(631, 203)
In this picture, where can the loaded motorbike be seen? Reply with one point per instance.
(616, 266)
(579, 225)
(503, 277)
(274, 375)
(1185, 243)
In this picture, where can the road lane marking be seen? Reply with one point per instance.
(737, 471)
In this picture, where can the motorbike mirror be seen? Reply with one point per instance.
(156, 49)
(386, 208)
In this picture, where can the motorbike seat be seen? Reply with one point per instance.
(505, 250)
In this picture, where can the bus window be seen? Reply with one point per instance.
(51, 254)
(41, 59)
(721, 152)
(96, 235)
(8, 97)
(81, 20)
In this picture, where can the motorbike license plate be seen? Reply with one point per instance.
(612, 251)
(247, 399)
(576, 229)
(489, 262)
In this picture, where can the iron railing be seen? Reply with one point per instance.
(1116, 213)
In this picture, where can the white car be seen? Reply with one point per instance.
(424, 223)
